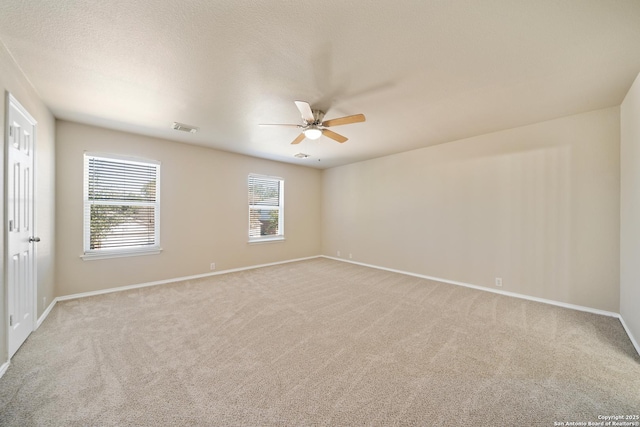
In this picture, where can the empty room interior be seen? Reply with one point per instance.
(335, 213)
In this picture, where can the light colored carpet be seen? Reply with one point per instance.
(318, 342)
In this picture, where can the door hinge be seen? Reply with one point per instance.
(11, 320)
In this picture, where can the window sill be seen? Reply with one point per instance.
(119, 254)
(267, 240)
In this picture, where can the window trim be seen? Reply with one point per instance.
(271, 238)
(95, 254)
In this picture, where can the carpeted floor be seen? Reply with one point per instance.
(318, 342)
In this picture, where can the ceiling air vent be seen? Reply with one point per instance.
(301, 156)
(184, 128)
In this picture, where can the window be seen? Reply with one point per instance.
(121, 206)
(266, 208)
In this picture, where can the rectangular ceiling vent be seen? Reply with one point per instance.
(184, 128)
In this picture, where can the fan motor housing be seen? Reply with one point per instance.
(318, 116)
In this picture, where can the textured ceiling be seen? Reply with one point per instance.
(423, 72)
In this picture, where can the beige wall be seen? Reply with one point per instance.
(537, 206)
(12, 80)
(630, 210)
(203, 217)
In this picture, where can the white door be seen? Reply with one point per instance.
(20, 261)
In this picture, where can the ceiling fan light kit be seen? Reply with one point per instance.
(313, 127)
(313, 132)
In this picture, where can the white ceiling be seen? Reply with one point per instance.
(423, 72)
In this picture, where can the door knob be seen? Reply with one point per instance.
(34, 239)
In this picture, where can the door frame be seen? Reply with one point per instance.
(12, 101)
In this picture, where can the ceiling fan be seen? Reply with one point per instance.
(313, 127)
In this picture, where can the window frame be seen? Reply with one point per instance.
(117, 252)
(280, 208)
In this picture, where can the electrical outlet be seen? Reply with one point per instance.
(44, 301)
(212, 266)
(499, 281)
(350, 256)
(338, 253)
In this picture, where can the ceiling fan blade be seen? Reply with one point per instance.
(334, 136)
(299, 139)
(305, 110)
(356, 118)
(279, 124)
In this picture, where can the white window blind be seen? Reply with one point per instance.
(121, 205)
(266, 219)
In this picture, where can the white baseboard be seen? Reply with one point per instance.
(177, 279)
(482, 288)
(3, 368)
(46, 313)
(631, 337)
